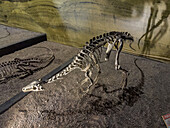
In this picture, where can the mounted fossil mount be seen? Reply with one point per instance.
(89, 58)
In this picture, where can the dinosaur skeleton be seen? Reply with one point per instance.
(23, 67)
(89, 58)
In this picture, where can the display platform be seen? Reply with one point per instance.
(13, 39)
(63, 104)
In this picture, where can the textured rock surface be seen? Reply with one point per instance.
(64, 105)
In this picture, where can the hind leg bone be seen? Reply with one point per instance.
(117, 66)
(88, 74)
(98, 72)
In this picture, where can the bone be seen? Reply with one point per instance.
(89, 57)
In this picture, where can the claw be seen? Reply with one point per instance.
(106, 59)
(117, 67)
(86, 91)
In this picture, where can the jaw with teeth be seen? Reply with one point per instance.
(33, 86)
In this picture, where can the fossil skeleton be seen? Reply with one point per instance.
(23, 67)
(88, 58)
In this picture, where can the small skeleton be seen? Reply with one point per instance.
(23, 67)
(89, 58)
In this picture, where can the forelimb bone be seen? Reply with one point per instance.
(109, 49)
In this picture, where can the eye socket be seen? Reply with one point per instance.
(34, 88)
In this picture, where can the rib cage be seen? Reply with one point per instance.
(90, 55)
